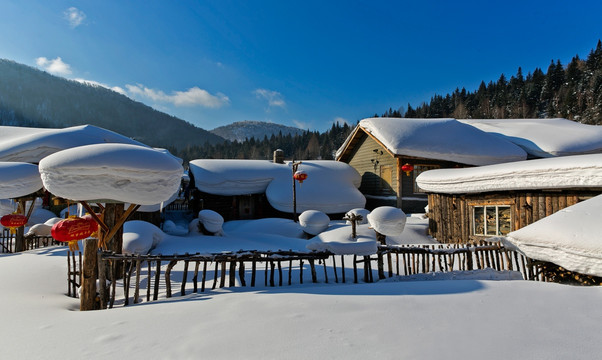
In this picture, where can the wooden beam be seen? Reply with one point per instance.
(95, 216)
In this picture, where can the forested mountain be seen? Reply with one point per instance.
(30, 97)
(242, 130)
(573, 92)
(309, 145)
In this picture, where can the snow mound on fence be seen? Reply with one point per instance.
(338, 240)
(569, 238)
(119, 172)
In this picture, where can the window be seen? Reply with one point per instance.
(491, 220)
(419, 169)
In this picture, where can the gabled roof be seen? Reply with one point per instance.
(545, 137)
(440, 139)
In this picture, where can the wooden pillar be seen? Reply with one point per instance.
(89, 275)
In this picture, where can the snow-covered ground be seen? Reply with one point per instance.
(470, 318)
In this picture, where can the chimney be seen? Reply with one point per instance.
(278, 156)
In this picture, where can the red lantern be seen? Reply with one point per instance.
(13, 221)
(300, 176)
(407, 168)
(73, 229)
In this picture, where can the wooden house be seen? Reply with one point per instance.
(380, 149)
(468, 205)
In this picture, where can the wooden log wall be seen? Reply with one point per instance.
(155, 273)
(450, 216)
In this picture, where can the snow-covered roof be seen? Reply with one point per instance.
(33, 144)
(545, 137)
(331, 187)
(579, 171)
(441, 139)
(120, 172)
(235, 177)
(569, 238)
(18, 179)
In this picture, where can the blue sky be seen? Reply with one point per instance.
(299, 63)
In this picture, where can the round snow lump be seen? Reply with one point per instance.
(359, 211)
(18, 179)
(313, 222)
(120, 172)
(387, 220)
(211, 220)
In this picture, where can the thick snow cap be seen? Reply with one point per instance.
(234, 177)
(545, 137)
(331, 187)
(119, 172)
(18, 179)
(313, 222)
(442, 139)
(569, 238)
(34, 144)
(579, 171)
(387, 220)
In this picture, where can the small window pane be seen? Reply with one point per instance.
(478, 221)
(504, 220)
(491, 224)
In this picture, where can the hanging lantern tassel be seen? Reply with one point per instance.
(13, 221)
(407, 168)
(300, 176)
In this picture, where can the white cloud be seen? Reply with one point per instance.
(191, 97)
(74, 16)
(274, 98)
(54, 66)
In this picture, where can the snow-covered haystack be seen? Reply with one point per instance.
(120, 172)
(545, 137)
(211, 221)
(34, 144)
(442, 139)
(235, 177)
(139, 237)
(313, 222)
(387, 220)
(331, 187)
(579, 171)
(18, 179)
(358, 212)
(569, 238)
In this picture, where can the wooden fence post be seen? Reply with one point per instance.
(89, 276)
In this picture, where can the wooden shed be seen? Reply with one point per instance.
(378, 149)
(473, 204)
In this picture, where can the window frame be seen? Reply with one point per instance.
(485, 207)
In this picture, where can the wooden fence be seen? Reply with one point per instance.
(7, 242)
(155, 277)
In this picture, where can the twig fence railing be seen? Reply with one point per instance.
(7, 242)
(153, 274)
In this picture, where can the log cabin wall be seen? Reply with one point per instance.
(378, 170)
(450, 216)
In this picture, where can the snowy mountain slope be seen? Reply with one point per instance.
(241, 130)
